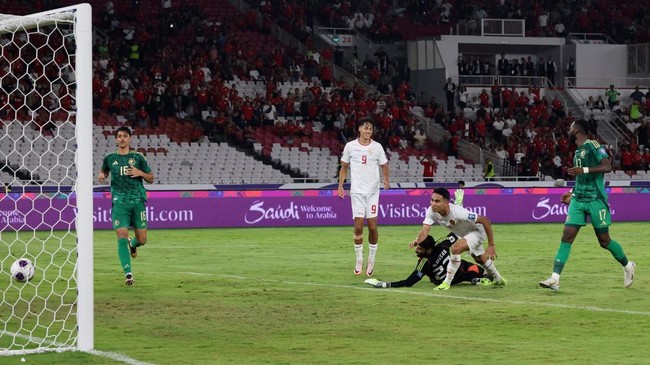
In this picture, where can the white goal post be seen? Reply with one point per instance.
(46, 176)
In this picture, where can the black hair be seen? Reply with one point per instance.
(363, 121)
(461, 182)
(442, 192)
(425, 248)
(583, 125)
(123, 129)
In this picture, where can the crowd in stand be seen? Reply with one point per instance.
(531, 132)
(149, 71)
(523, 127)
(624, 22)
(180, 66)
(472, 66)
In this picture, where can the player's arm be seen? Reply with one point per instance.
(343, 173)
(422, 235)
(604, 164)
(491, 249)
(384, 169)
(411, 280)
(136, 172)
(103, 175)
(147, 176)
(603, 167)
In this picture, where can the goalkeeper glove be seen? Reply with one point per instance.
(377, 284)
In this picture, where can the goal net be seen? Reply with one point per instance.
(46, 180)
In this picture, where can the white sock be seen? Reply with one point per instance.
(358, 250)
(555, 276)
(452, 267)
(491, 269)
(372, 252)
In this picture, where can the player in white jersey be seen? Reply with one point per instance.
(363, 157)
(473, 229)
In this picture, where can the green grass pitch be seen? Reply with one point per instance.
(288, 296)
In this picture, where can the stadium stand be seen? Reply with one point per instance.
(193, 80)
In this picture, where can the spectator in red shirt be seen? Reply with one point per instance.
(141, 118)
(481, 131)
(326, 74)
(430, 165)
(485, 98)
(505, 97)
(626, 159)
(637, 160)
(496, 95)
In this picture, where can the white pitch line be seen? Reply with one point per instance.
(109, 355)
(118, 357)
(400, 291)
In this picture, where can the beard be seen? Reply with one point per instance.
(572, 138)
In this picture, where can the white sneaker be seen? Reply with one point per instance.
(629, 274)
(358, 267)
(550, 283)
(370, 268)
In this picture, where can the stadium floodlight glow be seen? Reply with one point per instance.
(46, 140)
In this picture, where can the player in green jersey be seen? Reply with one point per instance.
(587, 198)
(128, 169)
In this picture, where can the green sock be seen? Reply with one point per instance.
(617, 251)
(136, 243)
(562, 257)
(124, 253)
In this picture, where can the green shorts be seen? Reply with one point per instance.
(129, 215)
(597, 210)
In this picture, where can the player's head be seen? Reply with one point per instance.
(440, 200)
(461, 183)
(123, 137)
(579, 127)
(365, 128)
(425, 248)
(442, 192)
(123, 130)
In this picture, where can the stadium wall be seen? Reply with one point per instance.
(308, 207)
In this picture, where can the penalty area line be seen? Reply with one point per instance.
(459, 297)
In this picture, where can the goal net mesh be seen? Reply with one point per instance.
(38, 172)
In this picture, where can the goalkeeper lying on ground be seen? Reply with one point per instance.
(433, 257)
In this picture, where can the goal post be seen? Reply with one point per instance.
(46, 173)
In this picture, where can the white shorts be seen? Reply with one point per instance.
(475, 241)
(365, 205)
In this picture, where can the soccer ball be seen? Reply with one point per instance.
(22, 270)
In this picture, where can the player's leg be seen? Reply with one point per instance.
(475, 242)
(358, 213)
(469, 272)
(139, 223)
(455, 251)
(576, 218)
(121, 220)
(373, 235)
(372, 204)
(601, 228)
(358, 244)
